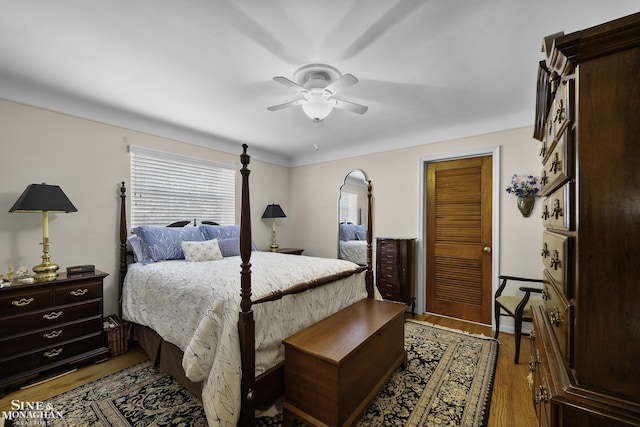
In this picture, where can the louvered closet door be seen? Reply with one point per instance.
(459, 239)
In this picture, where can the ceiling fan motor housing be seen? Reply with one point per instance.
(316, 76)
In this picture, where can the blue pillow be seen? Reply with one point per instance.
(230, 246)
(136, 247)
(223, 232)
(361, 235)
(346, 232)
(211, 232)
(163, 243)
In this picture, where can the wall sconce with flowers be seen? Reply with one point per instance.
(526, 190)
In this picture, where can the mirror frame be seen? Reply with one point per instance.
(367, 184)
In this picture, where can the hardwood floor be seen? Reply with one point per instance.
(511, 404)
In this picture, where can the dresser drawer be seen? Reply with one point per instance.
(389, 272)
(557, 167)
(54, 355)
(560, 315)
(563, 106)
(558, 208)
(540, 377)
(78, 292)
(23, 302)
(48, 318)
(391, 294)
(557, 257)
(47, 337)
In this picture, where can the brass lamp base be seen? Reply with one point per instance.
(46, 272)
(274, 246)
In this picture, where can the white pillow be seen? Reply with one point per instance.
(209, 250)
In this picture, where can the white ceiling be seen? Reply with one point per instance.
(201, 71)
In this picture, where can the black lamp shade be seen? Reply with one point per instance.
(273, 211)
(43, 198)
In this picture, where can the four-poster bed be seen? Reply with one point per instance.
(308, 299)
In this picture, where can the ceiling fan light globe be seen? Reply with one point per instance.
(317, 108)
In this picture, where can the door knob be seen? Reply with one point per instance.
(487, 249)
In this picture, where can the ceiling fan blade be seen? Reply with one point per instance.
(285, 105)
(350, 106)
(289, 83)
(341, 84)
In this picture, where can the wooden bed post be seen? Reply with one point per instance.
(369, 274)
(246, 323)
(123, 243)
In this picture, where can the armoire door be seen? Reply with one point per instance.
(458, 249)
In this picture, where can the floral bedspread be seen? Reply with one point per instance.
(195, 306)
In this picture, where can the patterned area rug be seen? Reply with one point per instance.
(448, 382)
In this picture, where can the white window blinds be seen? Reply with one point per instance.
(166, 188)
(349, 207)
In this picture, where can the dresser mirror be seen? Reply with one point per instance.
(352, 218)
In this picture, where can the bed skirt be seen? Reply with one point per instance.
(165, 356)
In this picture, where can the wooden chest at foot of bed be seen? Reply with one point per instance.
(335, 367)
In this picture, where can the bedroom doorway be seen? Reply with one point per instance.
(458, 246)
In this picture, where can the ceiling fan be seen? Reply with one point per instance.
(318, 84)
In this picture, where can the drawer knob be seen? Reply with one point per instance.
(52, 315)
(555, 260)
(53, 353)
(22, 302)
(554, 317)
(545, 250)
(544, 178)
(554, 164)
(532, 364)
(53, 334)
(559, 117)
(545, 297)
(543, 150)
(545, 212)
(79, 292)
(557, 210)
(542, 394)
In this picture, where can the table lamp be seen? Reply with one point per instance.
(273, 211)
(43, 198)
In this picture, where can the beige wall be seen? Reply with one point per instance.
(395, 177)
(89, 159)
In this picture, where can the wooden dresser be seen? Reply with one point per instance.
(50, 324)
(395, 269)
(586, 342)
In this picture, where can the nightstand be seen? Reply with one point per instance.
(46, 325)
(290, 251)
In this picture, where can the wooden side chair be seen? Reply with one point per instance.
(518, 307)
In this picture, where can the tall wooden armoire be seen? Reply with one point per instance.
(586, 359)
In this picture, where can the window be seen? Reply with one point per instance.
(167, 187)
(349, 207)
